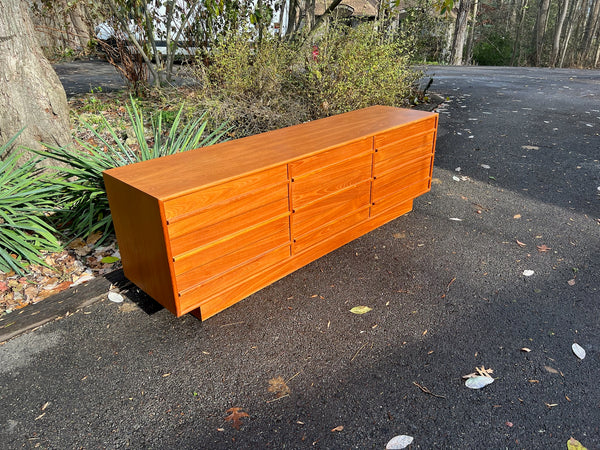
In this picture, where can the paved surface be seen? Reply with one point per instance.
(447, 291)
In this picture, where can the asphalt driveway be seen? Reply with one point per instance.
(516, 191)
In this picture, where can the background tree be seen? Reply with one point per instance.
(31, 95)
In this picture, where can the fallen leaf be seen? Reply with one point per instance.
(509, 424)
(551, 405)
(550, 369)
(115, 297)
(578, 350)
(485, 166)
(235, 416)
(93, 238)
(360, 310)
(517, 216)
(530, 147)
(571, 282)
(338, 428)
(478, 382)
(543, 248)
(525, 349)
(528, 273)
(109, 260)
(521, 244)
(534, 381)
(456, 219)
(574, 444)
(399, 442)
(278, 386)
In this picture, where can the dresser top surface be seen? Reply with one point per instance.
(175, 175)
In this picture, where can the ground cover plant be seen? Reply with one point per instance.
(26, 198)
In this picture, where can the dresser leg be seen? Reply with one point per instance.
(196, 313)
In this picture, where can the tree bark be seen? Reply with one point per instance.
(519, 32)
(571, 23)
(590, 31)
(558, 32)
(472, 32)
(31, 94)
(540, 31)
(460, 32)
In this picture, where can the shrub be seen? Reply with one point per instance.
(26, 197)
(357, 67)
(85, 208)
(493, 50)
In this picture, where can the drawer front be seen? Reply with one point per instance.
(206, 198)
(331, 229)
(399, 197)
(197, 294)
(405, 149)
(198, 267)
(395, 164)
(241, 208)
(404, 132)
(316, 185)
(232, 225)
(330, 157)
(330, 208)
(399, 179)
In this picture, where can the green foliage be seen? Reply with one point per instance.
(493, 50)
(26, 197)
(85, 205)
(355, 68)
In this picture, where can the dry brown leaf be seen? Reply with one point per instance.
(551, 369)
(517, 216)
(235, 416)
(279, 387)
(338, 428)
(521, 244)
(543, 248)
(571, 282)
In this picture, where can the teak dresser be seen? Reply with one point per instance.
(200, 230)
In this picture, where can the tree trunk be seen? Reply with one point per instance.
(472, 32)
(558, 32)
(460, 32)
(514, 61)
(573, 19)
(540, 31)
(590, 32)
(31, 94)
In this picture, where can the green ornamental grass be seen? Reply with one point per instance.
(26, 199)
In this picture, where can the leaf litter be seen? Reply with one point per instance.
(236, 414)
(78, 263)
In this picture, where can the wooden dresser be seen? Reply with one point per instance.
(200, 230)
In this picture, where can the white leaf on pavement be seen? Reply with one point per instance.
(456, 219)
(485, 166)
(478, 382)
(578, 350)
(455, 178)
(115, 297)
(399, 442)
(528, 273)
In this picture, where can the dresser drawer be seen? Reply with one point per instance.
(198, 266)
(404, 176)
(403, 151)
(330, 157)
(318, 235)
(316, 185)
(212, 232)
(330, 208)
(240, 208)
(399, 197)
(198, 294)
(404, 132)
(180, 207)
